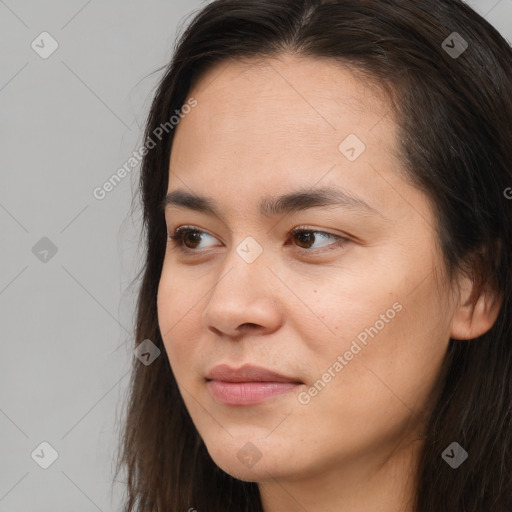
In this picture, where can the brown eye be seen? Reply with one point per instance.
(191, 238)
(306, 238)
(187, 238)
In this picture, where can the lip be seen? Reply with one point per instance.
(247, 385)
(246, 373)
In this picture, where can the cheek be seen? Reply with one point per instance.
(178, 297)
(391, 359)
(391, 331)
(178, 307)
(380, 392)
(387, 300)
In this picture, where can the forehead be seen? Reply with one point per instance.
(305, 80)
(275, 123)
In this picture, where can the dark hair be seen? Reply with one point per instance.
(454, 115)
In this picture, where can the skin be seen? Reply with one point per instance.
(266, 128)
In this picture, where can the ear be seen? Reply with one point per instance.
(477, 310)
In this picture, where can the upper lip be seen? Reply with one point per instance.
(246, 373)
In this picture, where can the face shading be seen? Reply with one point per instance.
(307, 254)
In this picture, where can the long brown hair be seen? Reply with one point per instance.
(453, 100)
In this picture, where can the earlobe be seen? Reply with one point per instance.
(476, 312)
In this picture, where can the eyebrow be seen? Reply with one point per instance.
(272, 206)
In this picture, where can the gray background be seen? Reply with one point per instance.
(67, 123)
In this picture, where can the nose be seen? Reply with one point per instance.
(243, 298)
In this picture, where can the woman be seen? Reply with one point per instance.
(328, 271)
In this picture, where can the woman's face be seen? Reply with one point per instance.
(347, 308)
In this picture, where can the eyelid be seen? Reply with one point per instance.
(314, 230)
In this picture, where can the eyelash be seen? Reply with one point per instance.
(179, 233)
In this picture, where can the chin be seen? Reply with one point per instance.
(250, 461)
(245, 474)
(240, 459)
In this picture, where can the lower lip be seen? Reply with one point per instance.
(247, 393)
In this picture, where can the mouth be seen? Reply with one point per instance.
(247, 393)
(247, 385)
